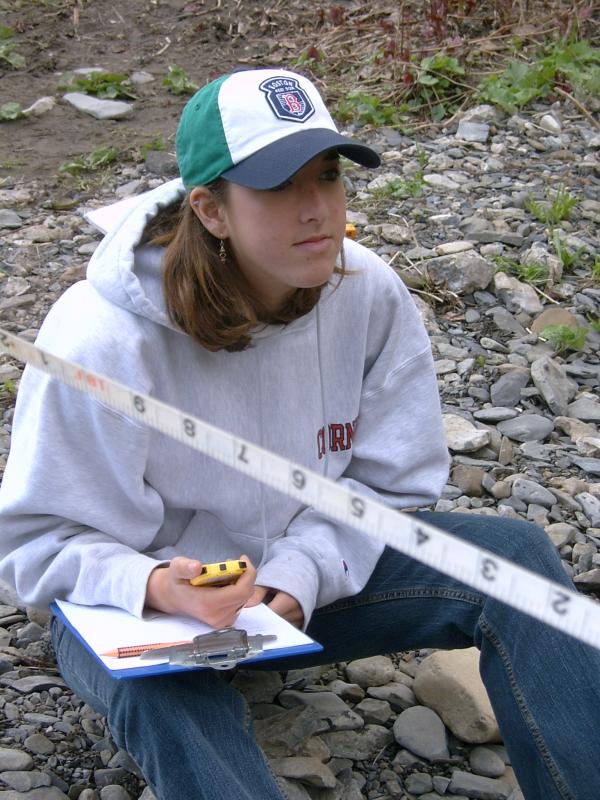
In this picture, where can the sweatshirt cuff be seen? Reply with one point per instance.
(296, 574)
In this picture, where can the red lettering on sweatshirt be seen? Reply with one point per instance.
(339, 437)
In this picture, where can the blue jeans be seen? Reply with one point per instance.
(191, 732)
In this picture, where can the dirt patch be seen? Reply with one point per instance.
(57, 37)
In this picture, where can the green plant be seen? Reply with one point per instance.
(575, 65)
(7, 53)
(530, 273)
(564, 338)
(90, 162)
(595, 269)
(595, 323)
(106, 85)
(155, 144)
(437, 85)
(480, 361)
(367, 109)
(569, 259)
(10, 111)
(558, 206)
(312, 58)
(8, 387)
(178, 82)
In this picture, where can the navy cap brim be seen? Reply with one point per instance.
(278, 161)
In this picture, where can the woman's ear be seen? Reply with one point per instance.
(209, 211)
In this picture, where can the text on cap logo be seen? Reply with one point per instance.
(288, 101)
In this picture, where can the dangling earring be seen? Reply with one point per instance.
(222, 252)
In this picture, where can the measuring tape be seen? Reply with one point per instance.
(563, 609)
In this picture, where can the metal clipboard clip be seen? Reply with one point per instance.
(220, 649)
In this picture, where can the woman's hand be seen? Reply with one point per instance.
(169, 590)
(281, 603)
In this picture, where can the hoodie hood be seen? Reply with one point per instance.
(120, 270)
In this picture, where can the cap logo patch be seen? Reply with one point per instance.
(288, 101)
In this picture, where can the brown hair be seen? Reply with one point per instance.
(211, 300)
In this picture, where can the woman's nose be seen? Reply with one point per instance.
(312, 202)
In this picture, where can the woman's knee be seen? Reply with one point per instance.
(516, 540)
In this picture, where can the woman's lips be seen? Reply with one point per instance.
(315, 244)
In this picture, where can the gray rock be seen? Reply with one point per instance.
(418, 783)
(10, 219)
(374, 711)
(441, 182)
(537, 451)
(484, 761)
(462, 436)
(39, 744)
(461, 273)
(591, 507)
(358, 745)
(101, 109)
(495, 414)
(288, 731)
(506, 391)
(420, 730)
(41, 106)
(589, 465)
(325, 705)
(14, 760)
(42, 793)
(516, 296)
(114, 792)
(585, 409)
(347, 691)
(305, 769)
(553, 384)
(505, 321)
(478, 787)
(33, 683)
(293, 790)
(590, 579)
(32, 632)
(532, 492)
(373, 671)
(122, 759)
(526, 428)
(472, 131)
(139, 78)
(161, 163)
(398, 695)
(561, 533)
(110, 776)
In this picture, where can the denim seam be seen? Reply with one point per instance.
(526, 714)
(383, 597)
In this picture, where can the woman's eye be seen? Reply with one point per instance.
(331, 174)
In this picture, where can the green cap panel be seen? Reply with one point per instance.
(202, 150)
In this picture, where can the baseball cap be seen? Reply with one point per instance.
(257, 128)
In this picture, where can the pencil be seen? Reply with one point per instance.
(137, 649)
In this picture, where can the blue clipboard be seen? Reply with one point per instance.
(85, 622)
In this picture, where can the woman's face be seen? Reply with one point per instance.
(289, 237)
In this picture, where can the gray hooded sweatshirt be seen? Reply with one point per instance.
(92, 501)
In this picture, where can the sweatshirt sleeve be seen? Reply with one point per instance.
(399, 458)
(72, 520)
